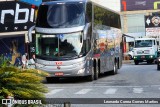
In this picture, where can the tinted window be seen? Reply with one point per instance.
(143, 43)
(61, 15)
(59, 46)
(103, 16)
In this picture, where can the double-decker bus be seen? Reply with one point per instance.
(77, 38)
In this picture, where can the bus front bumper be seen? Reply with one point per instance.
(73, 72)
(144, 57)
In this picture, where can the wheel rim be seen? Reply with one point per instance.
(115, 67)
(92, 73)
(96, 74)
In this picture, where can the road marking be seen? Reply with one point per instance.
(82, 86)
(83, 91)
(110, 91)
(137, 90)
(94, 86)
(54, 91)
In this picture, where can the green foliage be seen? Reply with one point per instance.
(22, 83)
(18, 83)
(3, 61)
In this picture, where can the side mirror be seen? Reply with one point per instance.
(30, 33)
(81, 39)
(86, 30)
(157, 42)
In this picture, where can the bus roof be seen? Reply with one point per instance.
(76, 1)
(62, 1)
(145, 38)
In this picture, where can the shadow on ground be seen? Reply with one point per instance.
(74, 79)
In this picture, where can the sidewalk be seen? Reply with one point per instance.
(30, 66)
(127, 61)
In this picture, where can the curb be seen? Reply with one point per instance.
(127, 61)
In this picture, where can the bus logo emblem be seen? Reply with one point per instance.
(58, 63)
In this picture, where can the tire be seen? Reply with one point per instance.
(115, 68)
(92, 76)
(130, 57)
(136, 62)
(49, 79)
(158, 67)
(155, 62)
(149, 62)
(96, 72)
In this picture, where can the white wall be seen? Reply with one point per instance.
(135, 23)
(111, 4)
(136, 35)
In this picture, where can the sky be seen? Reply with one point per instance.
(111, 4)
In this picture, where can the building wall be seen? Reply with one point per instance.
(133, 22)
(111, 4)
(13, 41)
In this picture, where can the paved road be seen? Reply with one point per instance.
(132, 81)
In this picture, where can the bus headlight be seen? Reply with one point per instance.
(159, 59)
(81, 71)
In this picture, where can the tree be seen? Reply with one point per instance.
(19, 83)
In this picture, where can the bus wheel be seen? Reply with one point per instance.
(115, 68)
(91, 77)
(149, 61)
(49, 79)
(96, 73)
(158, 67)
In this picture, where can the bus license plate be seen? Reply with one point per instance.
(142, 56)
(59, 74)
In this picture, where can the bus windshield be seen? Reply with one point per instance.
(143, 43)
(59, 46)
(62, 15)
